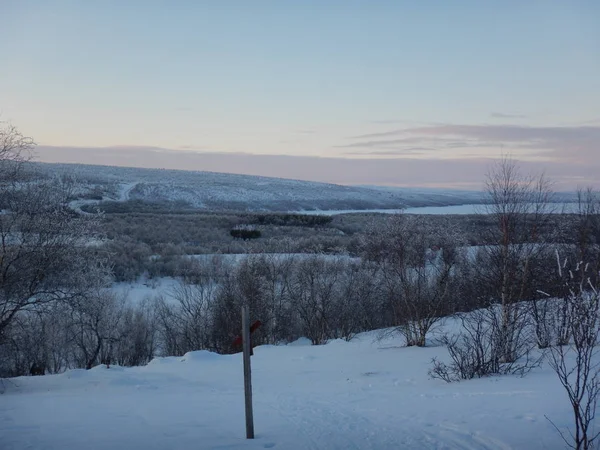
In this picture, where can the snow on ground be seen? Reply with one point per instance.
(359, 395)
(125, 190)
(145, 289)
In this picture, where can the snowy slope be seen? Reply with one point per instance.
(359, 395)
(219, 191)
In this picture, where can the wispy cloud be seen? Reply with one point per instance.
(573, 143)
(499, 115)
(380, 134)
(414, 151)
(384, 143)
(511, 132)
(191, 147)
(386, 122)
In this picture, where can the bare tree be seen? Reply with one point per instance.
(552, 315)
(498, 337)
(416, 269)
(138, 335)
(576, 364)
(359, 306)
(587, 227)
(170, 341)
(44, 249)
(47, 253)
(193, 314)
(15, 149)
(278, 326)
(314, 292)
(521, 206)
(580, 243)
(226, 312)
(95, 326)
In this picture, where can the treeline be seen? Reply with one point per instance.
(408, 278)
(157, 245)
(317, 297)
(297, 220)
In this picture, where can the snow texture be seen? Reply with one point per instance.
(366, 394)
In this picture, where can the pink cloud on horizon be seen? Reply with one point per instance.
(451, 173)
(568, 144)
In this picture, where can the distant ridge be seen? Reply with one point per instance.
(223, 191)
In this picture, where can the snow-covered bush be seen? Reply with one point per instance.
(481, 346)
(575, 357)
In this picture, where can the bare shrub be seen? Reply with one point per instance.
(416, 272)
(359, 302)
(520, 206)
(94, 327)
(587, 230)
(279, 325)
(15, 149)
(313, 292)
(138, 335)
(193, 311)
(552, 315)
(577, 363)
(479, 348)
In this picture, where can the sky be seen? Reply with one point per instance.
(397, 92)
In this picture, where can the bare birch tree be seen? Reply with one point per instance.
(521, 207)
(416, 270)
(47, 252)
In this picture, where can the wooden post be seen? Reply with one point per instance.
(247, 372)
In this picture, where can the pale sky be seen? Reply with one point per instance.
(312, 86)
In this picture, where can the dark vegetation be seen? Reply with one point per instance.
(135, 237)
(245, 234)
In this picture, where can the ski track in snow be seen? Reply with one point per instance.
(358, 395)
(123, 196)
(126, 190)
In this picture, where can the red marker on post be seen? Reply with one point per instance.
(237, 342)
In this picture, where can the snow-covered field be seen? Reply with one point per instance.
(365, 394)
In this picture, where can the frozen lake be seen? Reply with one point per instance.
(455, 209)
(434, 210)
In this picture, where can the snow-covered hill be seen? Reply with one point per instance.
(220, 191)
(366, 394)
